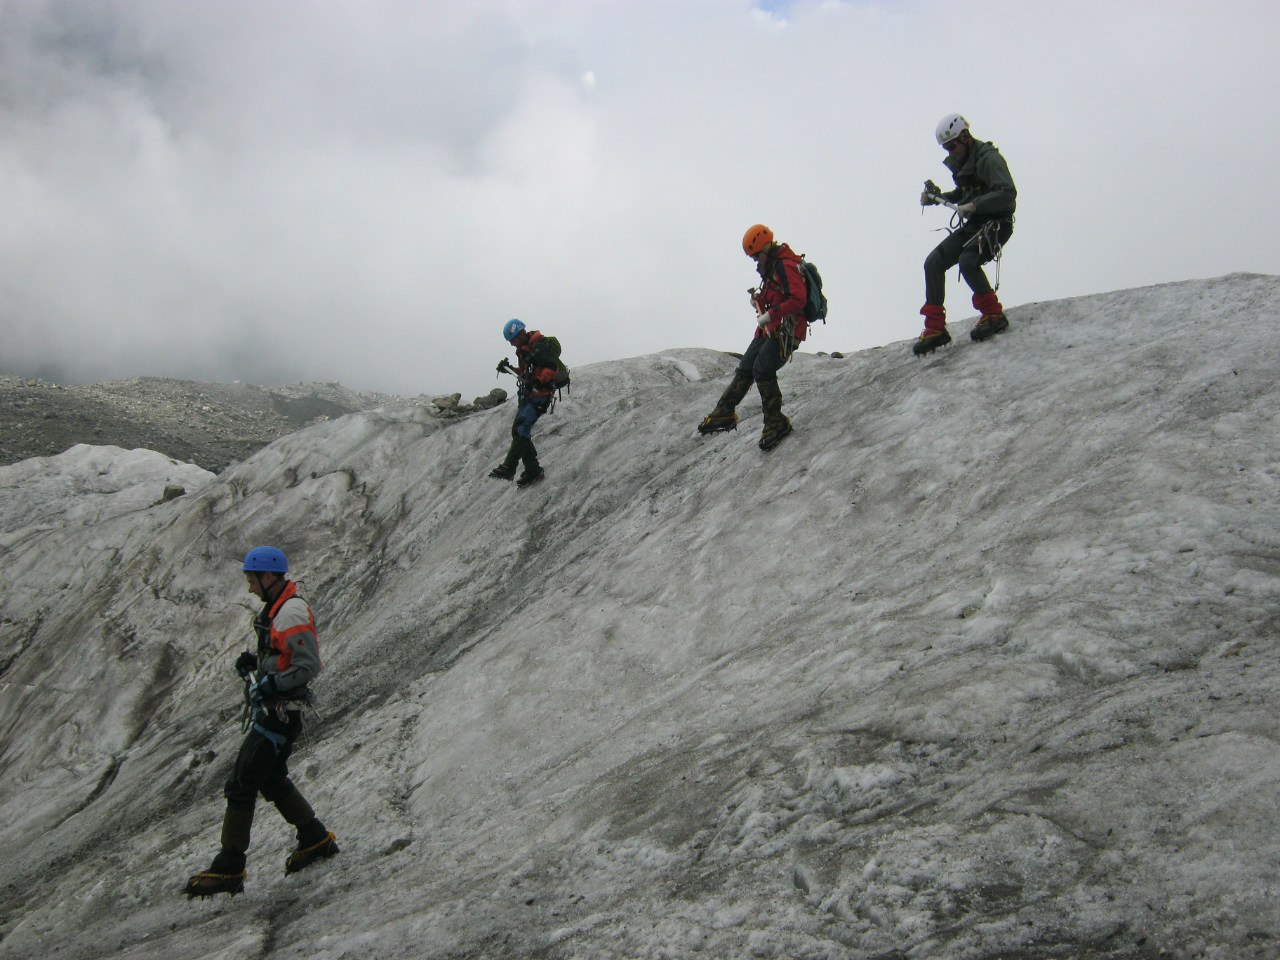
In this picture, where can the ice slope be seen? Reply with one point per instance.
(979, 663)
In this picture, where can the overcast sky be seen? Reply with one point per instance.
(365, 191)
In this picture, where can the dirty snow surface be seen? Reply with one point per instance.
(980, 663)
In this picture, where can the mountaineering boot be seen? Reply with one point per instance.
(226, 874)
(531, 475)
(935, 330)
(533, 471)
(989, 326)
(314, 843)
(772, 435)
(507, 469)
(992, 321)
(718, 422)
(724, 416)
(930, 342)
(776, 426)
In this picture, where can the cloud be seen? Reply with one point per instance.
(366, 191)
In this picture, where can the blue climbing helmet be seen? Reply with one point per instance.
(265, 560)
(511, 329)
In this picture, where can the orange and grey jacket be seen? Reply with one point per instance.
(288, 648)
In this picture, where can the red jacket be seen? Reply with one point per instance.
(783, 292)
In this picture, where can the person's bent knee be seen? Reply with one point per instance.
(935, 263)
(282, 787)
(240, 795)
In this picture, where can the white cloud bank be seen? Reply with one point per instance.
(366, 191)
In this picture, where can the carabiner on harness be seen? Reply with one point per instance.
(989, 245)
(786, 337)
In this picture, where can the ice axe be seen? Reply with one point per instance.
(934, 193)
(754, 293)
(250, 678)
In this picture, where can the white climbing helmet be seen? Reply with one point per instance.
(950, 127)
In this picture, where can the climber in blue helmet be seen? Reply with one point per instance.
(539, 374)
(276, 678)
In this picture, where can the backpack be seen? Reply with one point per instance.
(815, 308)
(547, 354)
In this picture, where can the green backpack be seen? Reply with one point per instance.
(815, 308)
(546, 353)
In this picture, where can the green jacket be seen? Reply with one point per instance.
(983, 179)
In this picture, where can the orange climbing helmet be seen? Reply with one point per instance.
(757, 238)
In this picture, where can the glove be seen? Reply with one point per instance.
(264, 689)
(504, 365)
(966, 209)
(764, 320)
(245, 662)
(927, 199)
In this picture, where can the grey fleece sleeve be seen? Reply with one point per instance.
(293, 621)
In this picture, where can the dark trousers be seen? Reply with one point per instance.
(260, 768)
(762, 361)
(961, 247)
